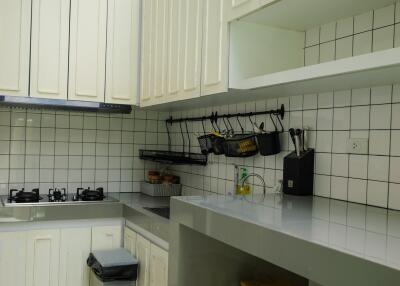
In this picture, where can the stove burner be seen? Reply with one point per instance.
(89, 195)
(24, 197)
(57, 195)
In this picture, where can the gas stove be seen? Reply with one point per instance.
(55, 196)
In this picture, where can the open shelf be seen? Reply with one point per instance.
(366, 70)
(169, 157)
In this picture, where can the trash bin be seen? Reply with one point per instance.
(113, 267)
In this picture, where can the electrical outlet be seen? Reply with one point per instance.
(357, 146)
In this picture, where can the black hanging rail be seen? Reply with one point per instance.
(214, 116)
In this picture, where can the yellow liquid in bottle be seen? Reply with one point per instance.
(244, 191)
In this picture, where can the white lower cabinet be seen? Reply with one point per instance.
(74, 251)
(12, 258)
(106, 237)
(43, 257)
(153, 261)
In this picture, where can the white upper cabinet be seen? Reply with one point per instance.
(49, 49)
(123, 51)
(74, 250)
(43, 257)
(15, 19)
(190, 49)
(154, 52)
(215, 48)
(87, 59)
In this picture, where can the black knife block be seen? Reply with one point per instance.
(298, 174)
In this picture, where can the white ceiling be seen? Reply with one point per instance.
(301, 15)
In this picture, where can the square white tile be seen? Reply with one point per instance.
(324, 141)
(362, 43)
(394, 196)
(360, 117)
(344, 48)
(327, 52)
(323, 163)
(340, 165)
(340, 139)
(378, 168)
(396, 116)
(325, 119)
(327, 32)
(396, 93)
(383, 39)
(310, 101)
(397, 36)
(363, 22)
(381, 94)
(341, 119)
(322, 186)
(357, 191)
(379, 142)
(381, 116)
(397, 12)
(312, 55)
(345, 27)
(339, 188)
(325, 100)
(361, 96)
(342, 98)
(312, 37)
(48, 120)
(377, 194)
(394, 170)
(384, 16)
(358, 166)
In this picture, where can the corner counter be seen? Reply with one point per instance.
(326, 241)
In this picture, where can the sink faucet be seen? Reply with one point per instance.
(257, 176)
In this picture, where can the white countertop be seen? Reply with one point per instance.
(366, 233)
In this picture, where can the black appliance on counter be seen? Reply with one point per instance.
(298, 173)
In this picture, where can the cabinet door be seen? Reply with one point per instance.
(191, 37)
(154, 52)
(122, 51)
(158, 266)
(13, 258)
(49, 44)
(143, 256)
(106, 237)
(130, 241)
(74, 251)
(87, 50)
(15, 24)
(43, 256)
(215, 48)
(239, 8)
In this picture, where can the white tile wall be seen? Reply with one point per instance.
(369, 32)
(72, 149)
(332, 118)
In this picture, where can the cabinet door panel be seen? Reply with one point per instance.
(106, 237)
(122, 51)
(12, 258)
(49, 55)
(143, 256)
(191, 48)
(147, 50)
(174, 77)
(215, 48)
(130, 241)
(15, 19)
(43, 256)
(75, 249)
(158, 266)
(87, 50)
